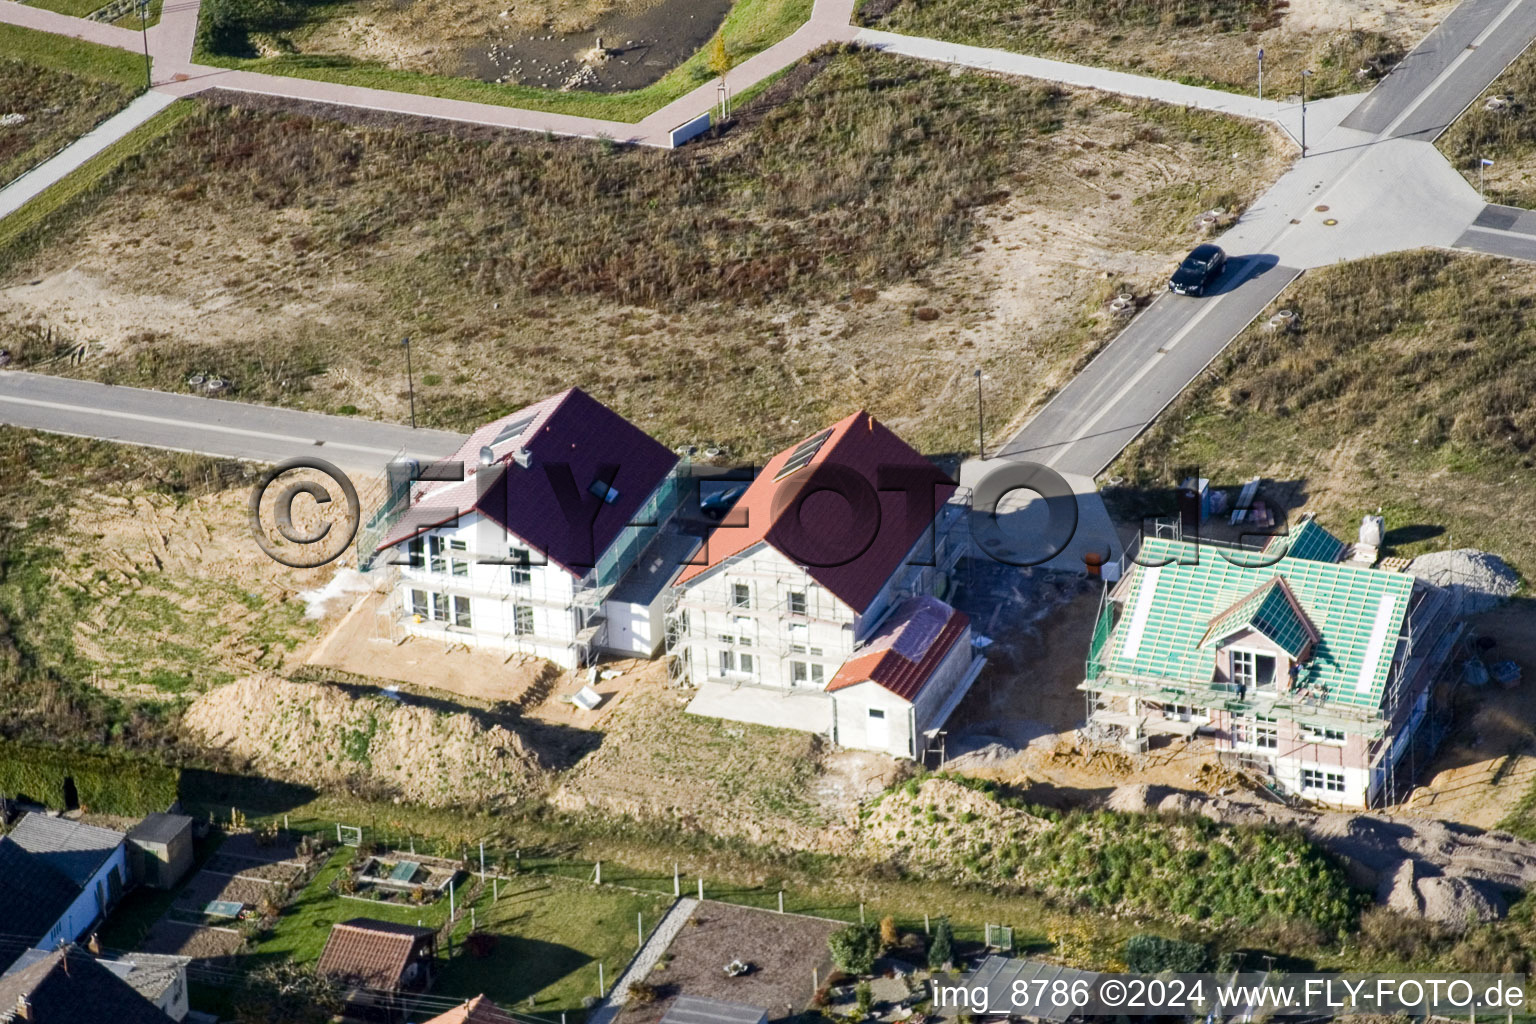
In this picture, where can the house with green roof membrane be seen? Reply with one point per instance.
(1321, 672)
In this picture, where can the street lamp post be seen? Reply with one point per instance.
(981, 437)
(1261, 72)
(1304, 76)
(410, 379)
(149, 82)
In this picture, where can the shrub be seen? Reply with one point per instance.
(107, 782)
(890, 935)
(942, 949)
(854, 948)
(865, 998)
(1153, 954)
(481, 945)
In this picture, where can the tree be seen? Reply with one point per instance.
(719, 61)
(942, 949)
(1152, 954)
(890, 935)
(286, 994)
(854, 948)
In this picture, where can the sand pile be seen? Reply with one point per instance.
(322, 735)
(1481, 580)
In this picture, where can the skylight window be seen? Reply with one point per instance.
(512, 430)
(602, 490)
(804, 453)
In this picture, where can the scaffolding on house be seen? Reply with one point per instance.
(1401, 738)
(773, 621)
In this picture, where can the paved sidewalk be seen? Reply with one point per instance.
(655, 945)
(13, 13)
(1119, 82)
(32, 184)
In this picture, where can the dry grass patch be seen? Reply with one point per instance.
(1347, 44)
(777, 270)
(1500, 125)
(1408, 388)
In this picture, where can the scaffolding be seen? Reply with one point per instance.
(773, 620)
(1402, 736)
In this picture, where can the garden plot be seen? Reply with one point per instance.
(779, 951)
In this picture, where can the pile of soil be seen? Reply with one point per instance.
(941, 823)
(323, 735)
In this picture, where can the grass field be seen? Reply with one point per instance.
(780, 269)
(751, 27)
(1505, 134)
(552, 933)
(1200, 42)
(1408, 389)
(121, 594)
(73, 8)
(62, 88)
(79, 58)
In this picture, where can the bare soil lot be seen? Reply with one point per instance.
(869, 237)
(1347, 44)
(782, 950)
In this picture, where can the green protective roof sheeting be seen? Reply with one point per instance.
(1271, 611)
(1358, 614)
(1309, 541)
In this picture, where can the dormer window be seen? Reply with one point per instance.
(1252, 670)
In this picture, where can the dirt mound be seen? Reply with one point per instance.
(1479, 579)
(940, 823)
(323, 735)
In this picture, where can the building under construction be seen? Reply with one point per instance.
(1307, 661)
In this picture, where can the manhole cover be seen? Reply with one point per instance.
(1320, 209)
(1330, 222)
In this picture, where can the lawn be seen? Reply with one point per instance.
(79, 58)
(1199, 42)
(1408, 389)
(751, 27)
(873, 231)
(1504, 133)
(73, 8)
(552, 933)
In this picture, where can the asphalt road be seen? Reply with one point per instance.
(1502, 231)
(209, 426)
(1086, 425)
(1448, 70)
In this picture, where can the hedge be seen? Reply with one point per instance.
(107, 782)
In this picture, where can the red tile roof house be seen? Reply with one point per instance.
(815, 611)
(558, 503)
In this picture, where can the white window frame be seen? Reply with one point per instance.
(1245, 667)
(520, 614)
(741, 595)
(1320, 780)
(801, 598)
(521, 569)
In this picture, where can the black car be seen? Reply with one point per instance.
(1202, 266)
